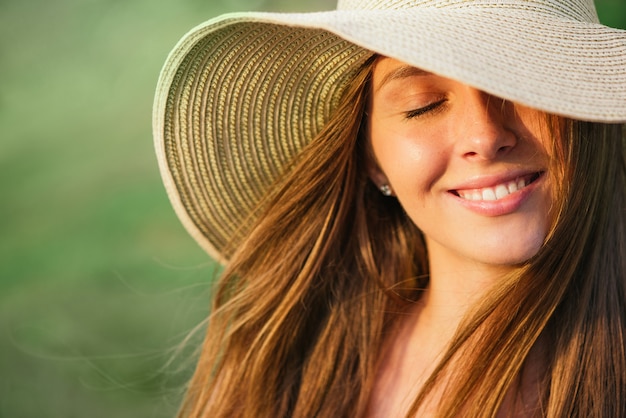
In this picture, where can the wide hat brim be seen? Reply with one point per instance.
(240, 95)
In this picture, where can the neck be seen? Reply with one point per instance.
(422, 334)
(455, 286)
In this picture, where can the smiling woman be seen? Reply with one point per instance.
(410, 216)
(472, 173)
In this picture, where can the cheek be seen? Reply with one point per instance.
(538, 129)
(410, 164)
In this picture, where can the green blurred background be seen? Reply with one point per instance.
(99, 283)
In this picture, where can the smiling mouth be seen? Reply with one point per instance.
(498, 191)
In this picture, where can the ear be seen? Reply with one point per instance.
(374, 172)
(376, 175)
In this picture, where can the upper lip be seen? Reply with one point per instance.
(492, 180)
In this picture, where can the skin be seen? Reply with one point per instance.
(447, 150)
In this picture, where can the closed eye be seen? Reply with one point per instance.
(424, 110)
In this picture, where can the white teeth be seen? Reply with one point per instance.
(493, 193)
(489, 194)
(501, 191)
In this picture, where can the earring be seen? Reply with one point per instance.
(385, 190)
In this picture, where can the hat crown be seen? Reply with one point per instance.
(581, 10)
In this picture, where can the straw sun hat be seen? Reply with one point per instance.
(241, 94)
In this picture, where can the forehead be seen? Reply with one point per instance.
(387, 70)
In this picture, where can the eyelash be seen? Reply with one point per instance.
(426, 109)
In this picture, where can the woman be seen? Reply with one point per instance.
(440, 233)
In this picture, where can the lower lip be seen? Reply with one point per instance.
(504, 206)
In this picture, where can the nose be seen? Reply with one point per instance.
(485, 128)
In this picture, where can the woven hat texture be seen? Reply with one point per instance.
(240, 95)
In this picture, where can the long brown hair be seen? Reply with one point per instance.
(300, 312)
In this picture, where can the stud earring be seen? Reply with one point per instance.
(385, 190)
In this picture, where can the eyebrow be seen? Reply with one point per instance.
(402, 72)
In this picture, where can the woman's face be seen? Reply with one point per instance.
(468, 168)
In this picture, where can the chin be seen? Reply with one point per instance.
(516, 256)
(511, 252)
